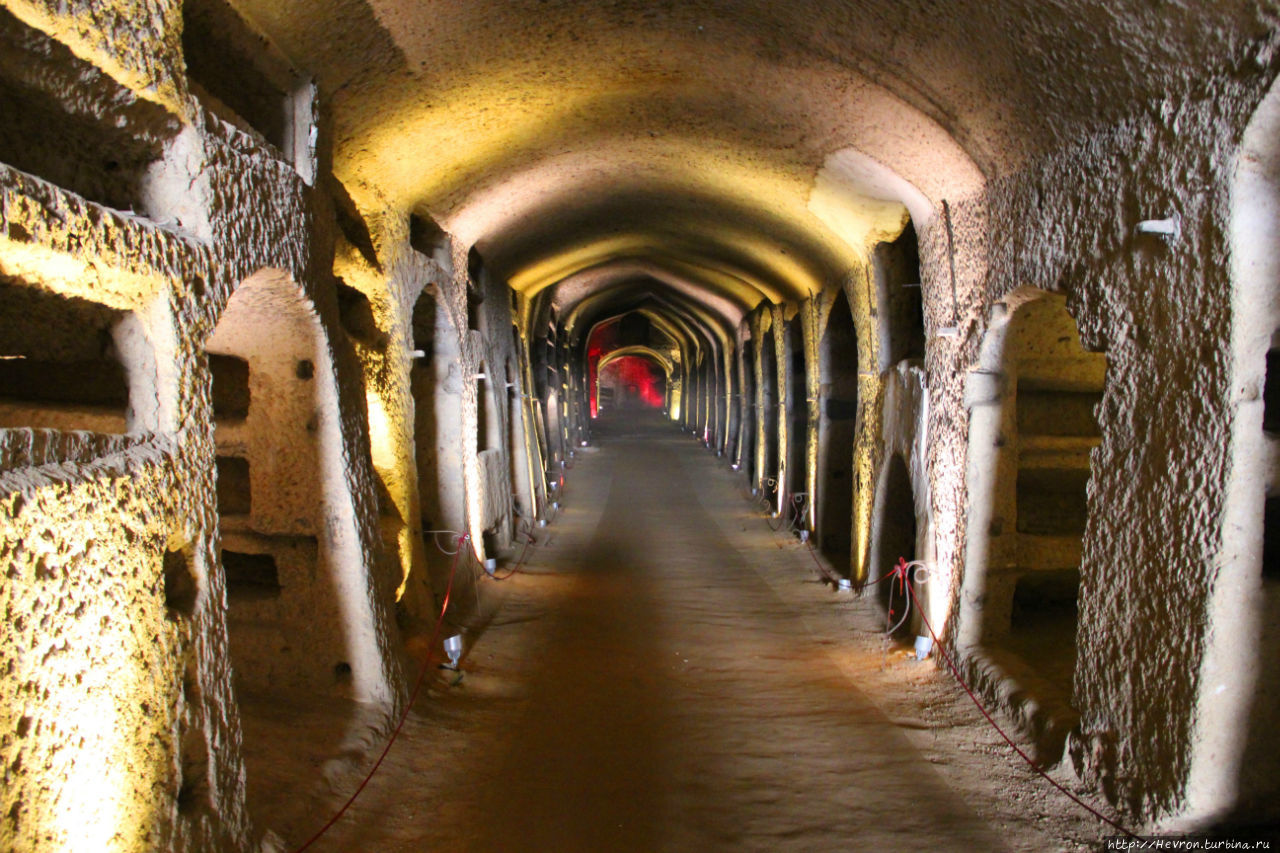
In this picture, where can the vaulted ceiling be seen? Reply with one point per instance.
(736, 150)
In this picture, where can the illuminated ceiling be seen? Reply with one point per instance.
(746, 149)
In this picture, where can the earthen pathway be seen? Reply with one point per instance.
(648, 686)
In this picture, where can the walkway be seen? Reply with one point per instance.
(669, 676)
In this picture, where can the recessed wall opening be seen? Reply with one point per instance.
(239, 75)
(732, 411)
(193, 783)
(351, 224)
(488, 426)
(274, 501)
(475, 289)
(1271, 510)
(179, 581)
(356, 313)
(1271, 540)
(838, 398)
(748, 426)
(1048, 595)
(897, 271)
(894, 539)
(518, 452)
(429, 239)
(230, 386)
(1271, 393)
(235, 496)
(769, 413)
(1047, 431)
(633, 383)
(98, 144)
(797, 415)
(436, 420)
(60, 367)
(250, 576)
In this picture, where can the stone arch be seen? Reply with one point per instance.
(747, 426)
(522, 493)
(615, 365)
(495, 486)
(795, 467)
(896, 535)
(837, 419)
(1032, 431)
(768, 452)
(899, 295)
(300, 608)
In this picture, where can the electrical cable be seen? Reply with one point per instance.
(529, 540)
(413, 697)
(783, 517)
(436, 541)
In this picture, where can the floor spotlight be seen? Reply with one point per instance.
(453, 648)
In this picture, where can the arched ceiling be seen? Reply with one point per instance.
(751, 149)
(678, 316)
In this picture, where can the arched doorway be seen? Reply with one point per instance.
(748, 422)
(302, 617)
(895, 539)
(769, 458)
(1031, 440)
(838, 400)
(797, 467)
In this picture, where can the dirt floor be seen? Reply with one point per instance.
(668, 674)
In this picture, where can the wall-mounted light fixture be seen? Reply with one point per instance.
(1169, 229)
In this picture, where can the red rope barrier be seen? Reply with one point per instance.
(937, 644)
(417, 687)
(529, 540)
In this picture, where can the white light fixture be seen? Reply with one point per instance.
(418, 354)
(1170, 229)
(490, 565)
(453, 648)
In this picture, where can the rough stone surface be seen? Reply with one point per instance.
(477, 182)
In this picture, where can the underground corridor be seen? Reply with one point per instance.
(632, 425)
(664, 674)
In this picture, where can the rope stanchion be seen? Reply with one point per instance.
(413, 697)
(937, 644)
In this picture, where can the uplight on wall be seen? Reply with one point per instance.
(1169, 229)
